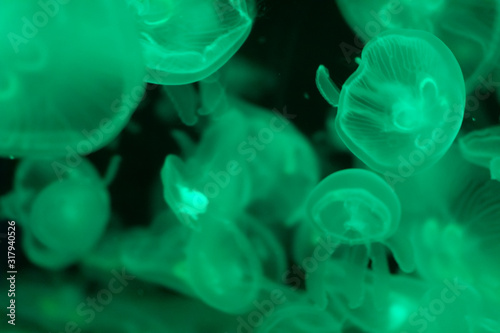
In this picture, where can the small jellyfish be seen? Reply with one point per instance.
(480, 147)
(470, 28)
(83, 72)
(63, 217)
(404, 105)
(359, 212)
(186, 41)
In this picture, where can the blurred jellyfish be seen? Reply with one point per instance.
(80, 96)
(402, 108)
(63, 217)
(359, 212)
(229, 171)
(471, 29)
(480, 147)
(185, 41)
(228, 278)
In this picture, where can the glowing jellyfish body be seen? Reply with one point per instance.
(404, 105)
(63, 216)
(480, 147)
(228, 278)
(229, 171)
(471, 29)
(359, 212)
(186, 41)
(80, 95)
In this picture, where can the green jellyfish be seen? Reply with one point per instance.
(229, 278)
(63, 216)
(471, 29)
(186, 41)
(480, 147)
(359, 212)
(403, 106)
(80, 95)
(230, 170)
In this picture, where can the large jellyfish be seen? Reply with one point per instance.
(359, 212)
(470, 28)
(187, 40)
(82, 70)
(228, 278)
(229, 171)
(404, 105)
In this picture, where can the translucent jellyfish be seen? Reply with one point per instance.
(412, 305)
(80, 96)
(229, 171)
(63, 216)
(229, 278)
(186, 41)
(471, 29)
(480, 147)
(403, 106)
(359, 213)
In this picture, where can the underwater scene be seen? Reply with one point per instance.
(250, 166)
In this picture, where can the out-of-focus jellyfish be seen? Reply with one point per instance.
(480, 147)
(83, 73)
(456, 233)
(185, 41)
(403, 106)
(359, 212)
(471, 29)
(228, 278)
(229, 171)
(63, 217)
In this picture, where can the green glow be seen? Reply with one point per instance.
(399, 97)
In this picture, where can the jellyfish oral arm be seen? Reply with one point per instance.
(328, 89)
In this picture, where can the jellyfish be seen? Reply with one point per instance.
(359, 213)
(412, 304)
(403, 107)
(480, 147)
(471, 29)
(186, 41)
(81, 95)
(229, 278)
(229, 171)
(63, 216)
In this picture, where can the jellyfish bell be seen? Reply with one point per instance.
(471, 29)
(186, 41)
(355, 206)
(81, 95)
(403, 107)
